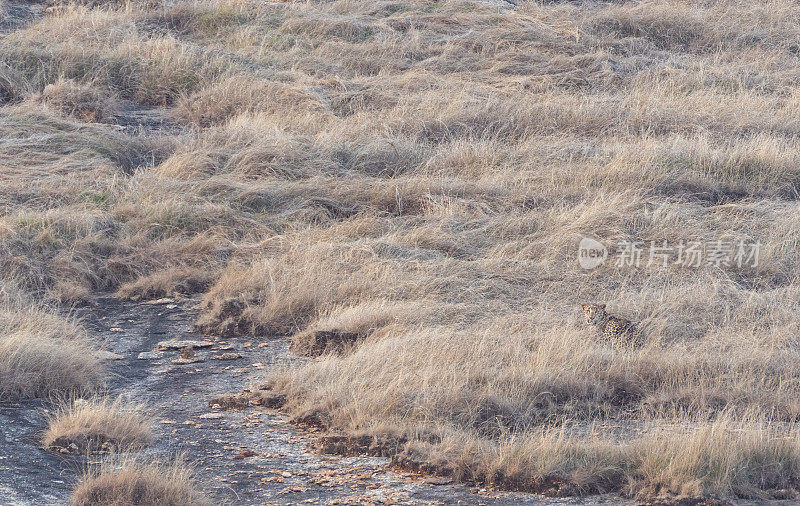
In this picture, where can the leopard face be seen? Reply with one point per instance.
(594, 313)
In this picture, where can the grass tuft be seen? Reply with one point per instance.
(96, 425)
(41, 353)
(120, 483)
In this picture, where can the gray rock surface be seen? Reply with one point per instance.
(249, 457)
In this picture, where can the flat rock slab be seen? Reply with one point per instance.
(184, 361)
(165, 300)
(229, 356)
(108, 355)
(150, 355)
(438, 480)
(177, 344)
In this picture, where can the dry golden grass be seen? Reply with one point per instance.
(41, 353)
(80, 101)
(401, 188)
(96, 425)
(346, 327)
(126, 482)
(724, 458)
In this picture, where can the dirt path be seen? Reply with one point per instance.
(280, 471)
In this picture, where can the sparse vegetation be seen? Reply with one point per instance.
(41, 353)
(81, 101)
(121, 483)
(399, 189)
(96, 425)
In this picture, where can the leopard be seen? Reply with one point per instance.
(612, 328)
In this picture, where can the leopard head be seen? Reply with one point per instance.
(594, 313)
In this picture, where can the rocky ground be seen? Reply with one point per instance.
(251, 456)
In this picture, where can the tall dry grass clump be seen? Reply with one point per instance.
(41, 353)
(81, 101)
(84, 427)
(728, 458)
(723, 458)
(121, 483)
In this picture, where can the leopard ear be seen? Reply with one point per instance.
(601, 306)
(583, 306)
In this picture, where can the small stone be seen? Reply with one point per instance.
(116, 329)
(165, 300)
(244, 453)
(211, 416)
(438, 480)
(228, 356)
(149, 355)
(108, 355)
